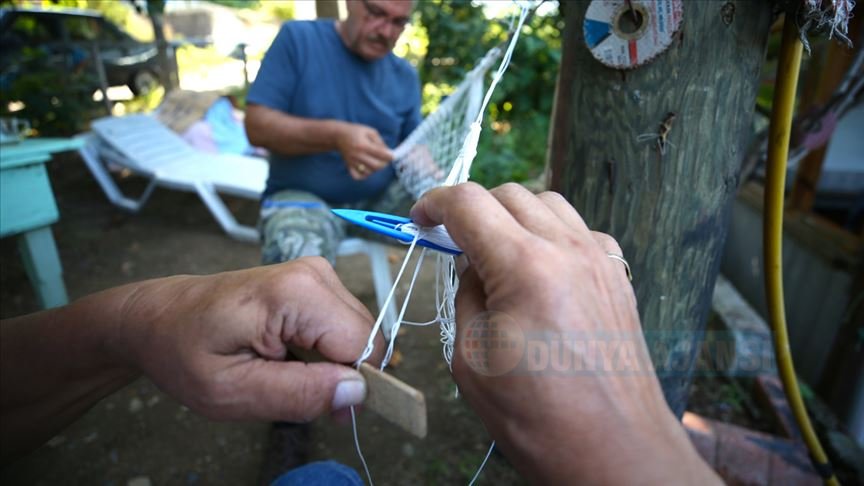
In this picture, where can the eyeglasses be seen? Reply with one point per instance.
(379, 15)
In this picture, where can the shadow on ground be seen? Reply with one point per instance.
(140, 436)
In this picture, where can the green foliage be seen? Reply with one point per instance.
(279, 9)
(459, 34)
(239, 94)
(122, 13)
(144, 103)
(191, 59)
(56, 101)
(237, 3)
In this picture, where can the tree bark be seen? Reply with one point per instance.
(670, 210)
(167, 72)
(327, 9)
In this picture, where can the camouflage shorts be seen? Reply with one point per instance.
(295, 224)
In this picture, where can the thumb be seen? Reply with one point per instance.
(295, 391)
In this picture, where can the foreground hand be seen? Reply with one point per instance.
(536, 271)
(219, 343)
(363, 150)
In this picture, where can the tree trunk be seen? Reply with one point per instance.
(327, 9)
(668, 208)
(167, 72)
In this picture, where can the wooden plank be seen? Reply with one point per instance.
(395, 400)
(27, 201)
(831, 66)
(35, 150)
(42, 263)
(813, 232)
(746, 330)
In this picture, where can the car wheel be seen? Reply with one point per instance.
(142, 82)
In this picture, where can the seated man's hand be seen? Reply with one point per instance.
(536, 272)
(363, 150)
(219, 343)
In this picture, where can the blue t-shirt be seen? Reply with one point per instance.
(310, 73)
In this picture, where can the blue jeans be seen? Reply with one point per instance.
(329, 473)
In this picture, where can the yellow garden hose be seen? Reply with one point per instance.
(788, 65)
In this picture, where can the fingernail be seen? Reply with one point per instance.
(349, 392)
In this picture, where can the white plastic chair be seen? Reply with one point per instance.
(149, 149)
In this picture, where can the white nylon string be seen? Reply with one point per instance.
(449, 280)
(433, 234)
(482, 464)
(458, 174)
(357, 445)
(446, 277)
(370, 344)
(462, 167)
(394, 329)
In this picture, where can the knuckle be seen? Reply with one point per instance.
(552, 196)
(467, 191)
(316, 264)
(303, 273)
(607, 242)
(509, 188)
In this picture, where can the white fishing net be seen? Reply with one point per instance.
(424, 159)
(440, 152)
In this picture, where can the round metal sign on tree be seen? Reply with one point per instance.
(624, 34)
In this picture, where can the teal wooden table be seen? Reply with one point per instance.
(27, 210)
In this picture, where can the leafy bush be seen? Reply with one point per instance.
(143, 103)
(120, 12)
(280, 9)
(56, 101)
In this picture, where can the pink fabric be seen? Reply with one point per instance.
(821, 133)
(200, 136)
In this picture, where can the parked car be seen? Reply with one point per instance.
(68, 36)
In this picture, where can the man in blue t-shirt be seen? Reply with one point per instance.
(329, 103)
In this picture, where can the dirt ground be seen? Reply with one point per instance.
(139, 436)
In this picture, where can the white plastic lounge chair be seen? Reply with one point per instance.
(143, 145)
(149, 149)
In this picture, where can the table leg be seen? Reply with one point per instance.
(42, 264)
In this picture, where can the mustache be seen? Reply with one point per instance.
(379, 38)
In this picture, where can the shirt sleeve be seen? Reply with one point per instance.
(413, 117)
(276, 81)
